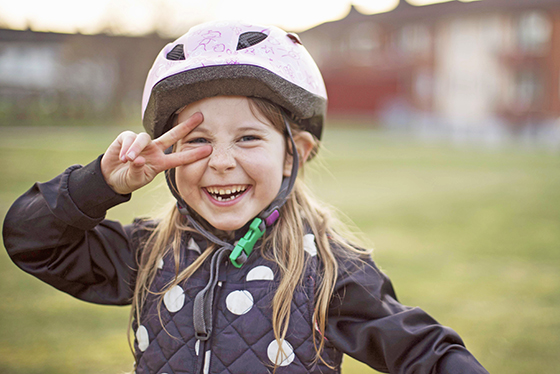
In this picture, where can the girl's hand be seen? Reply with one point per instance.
(134, 160)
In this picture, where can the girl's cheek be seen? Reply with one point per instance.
(254, 159)
(262, 163)
(190, 174)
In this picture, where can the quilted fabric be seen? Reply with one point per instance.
(242, 340)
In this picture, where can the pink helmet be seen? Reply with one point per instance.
(234, 58)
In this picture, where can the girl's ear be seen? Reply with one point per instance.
(304, 144)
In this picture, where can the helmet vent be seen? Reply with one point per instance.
(248, 39)
(176, 53)
(295, 38)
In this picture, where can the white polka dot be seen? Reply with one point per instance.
(193, 246)
(174, 299)
(206, 362)
(197, 346)
(309, 244)
(160, 263)
(142, 338)
(278, 357)
(239, 302)
(260, 273)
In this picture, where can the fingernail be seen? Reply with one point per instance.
(131, 155)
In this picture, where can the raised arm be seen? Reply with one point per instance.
(56, 231)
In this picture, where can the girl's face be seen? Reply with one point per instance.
(244, 172)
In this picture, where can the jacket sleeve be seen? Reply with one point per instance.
(56, 231)
(367, 322)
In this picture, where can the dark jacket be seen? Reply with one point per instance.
(57, 232)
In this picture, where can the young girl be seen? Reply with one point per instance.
(247, 273)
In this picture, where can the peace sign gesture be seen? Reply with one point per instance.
(133, 160)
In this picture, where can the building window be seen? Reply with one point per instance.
(528, 89)
(364, 39)
(534, 31)
(29, 65)
(412, 39)
(423, 85)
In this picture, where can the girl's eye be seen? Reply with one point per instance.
(248, 138)
(197, 141)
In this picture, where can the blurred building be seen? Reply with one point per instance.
(50, 76)
(454, 63)
(481, 64)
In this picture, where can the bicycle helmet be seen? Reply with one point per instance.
(235, 59)
(238, 59)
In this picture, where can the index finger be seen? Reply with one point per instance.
(178, 132)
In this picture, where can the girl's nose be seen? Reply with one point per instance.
(221, 159)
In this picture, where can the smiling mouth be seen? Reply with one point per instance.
(226, 193)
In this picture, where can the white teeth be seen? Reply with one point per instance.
(219, 198)
(229, 191)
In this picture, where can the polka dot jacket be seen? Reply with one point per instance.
(242, 339)
(57, 232)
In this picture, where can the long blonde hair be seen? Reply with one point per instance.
(283, 244)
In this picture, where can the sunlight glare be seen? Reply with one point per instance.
(426, 2)
(375, 6)
(174, 17)
(59, 16)
(293, 15)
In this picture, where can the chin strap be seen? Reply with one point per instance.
(267, 217)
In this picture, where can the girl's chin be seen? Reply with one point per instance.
(227, 220)
(228, 226)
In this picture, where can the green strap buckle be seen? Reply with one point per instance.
(245, 245)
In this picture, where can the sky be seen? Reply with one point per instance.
(174, 17)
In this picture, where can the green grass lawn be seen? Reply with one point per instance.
(470, 235)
